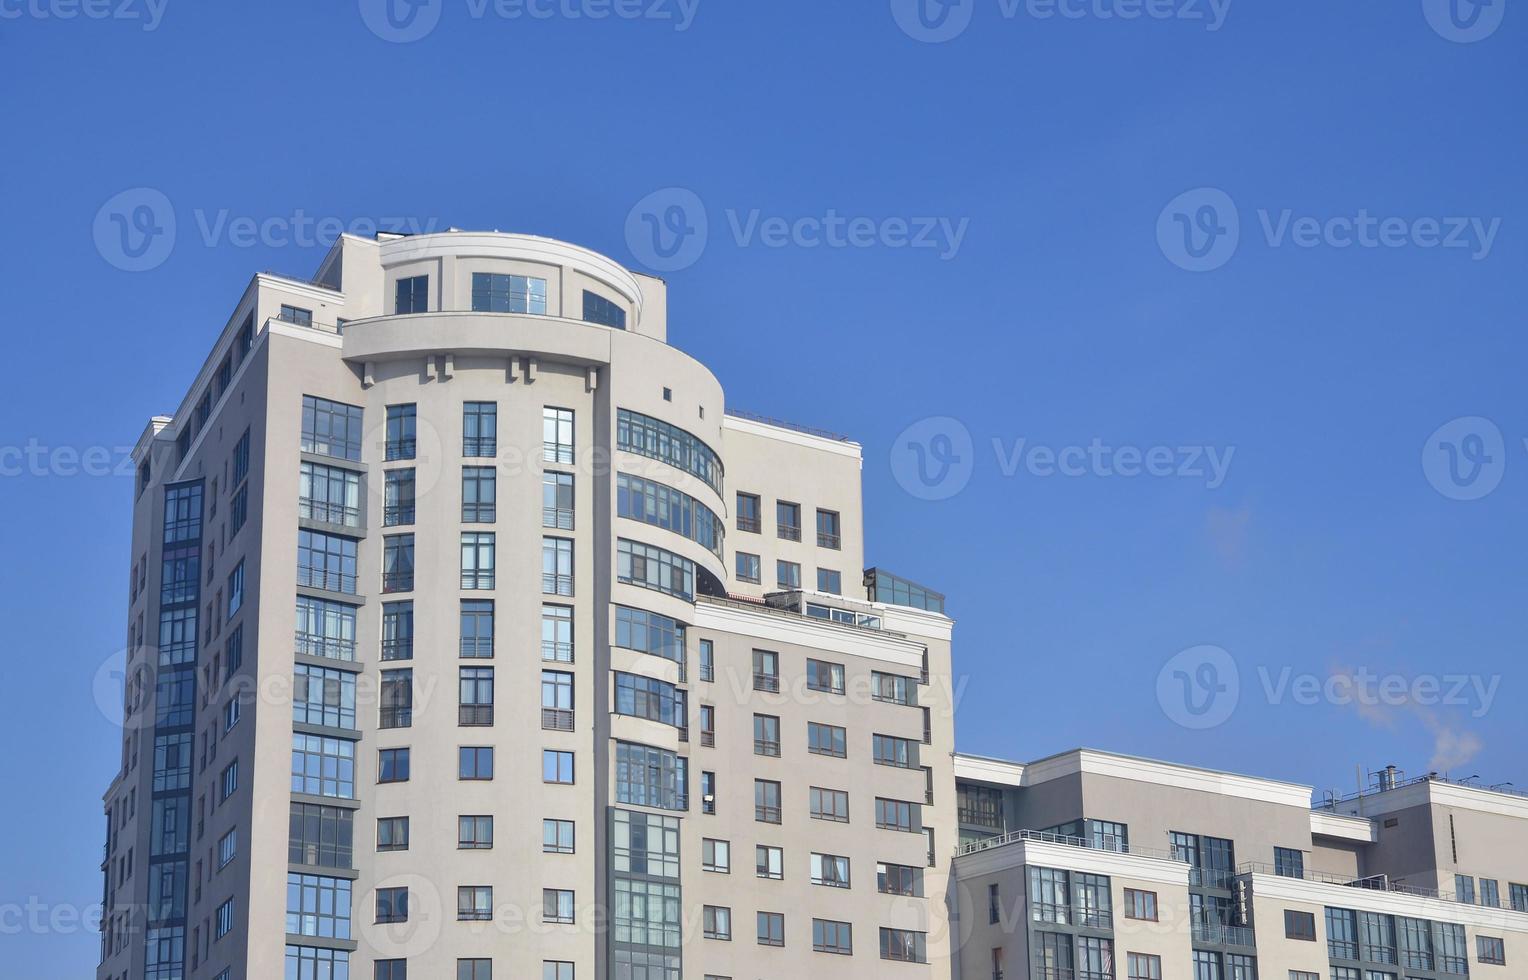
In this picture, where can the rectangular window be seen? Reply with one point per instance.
(748, 512)
(476, 969)
(321, 696)
(402, 439)
(557, 836)
(598, 309)
(494, 292)
(228, 848)
(557, 566)
(766, 671)
(556, 701)
(236, 593)
(824, 676)
(716, 923)
(1491, 950)
(716, 856)
(1464, 889)
(897, 815)
(480, 490)
(474, 762)
(392, 904)
(557, 500)
(771, 929)
(412, 295)
(901, 753)
(831, 870)
(904, 946)
(295, 314)
(1143, 966)
(894, 688)
(1519, 897)
(557, 634)
(324, 629)
(396, 699)
(329, 494)
(398, 563)
(1288, 862)
(898, 879)
(331, 428)
(708, 726)
(474, 903)
(832, 937)
(768, 862)
(746, 567)
(788, 520)
(556, 970)
(326, 561)
(480, 429)
(766, 736)
(318, 905)
(392, 833)
(708, 674)
(828, 534)
(477, 628)
(1300, 925)
(477, 560)
(638, 696)
(556, 766)
(476, 703)
(829, 804)
(648, 776)
(323, 766)
(557, 436)
(829, 581)
(228, 783)
(788, 574)
(321, 836)
(392, 765)
(826, 740)
(398, 497)
(1490, 892)
(647, 632)
(662, 506)
(766, 801)
(391, 970)
(1140, 905)
(556, 905)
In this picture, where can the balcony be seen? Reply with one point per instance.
(763, 813)
(554, 719)
(395, 515)
(769, 683)
(828, 540)
(553, 584)
(1074, 915)
(708, 740)
(327, 579)
(480, 446)
(475, 715)
(398, 648)
(790, 532)
(396, 718)
(327, 512)
(1220, 934)
(400, 449)
(557, 517)
(749, 524)
(767, 747)
(330, 648)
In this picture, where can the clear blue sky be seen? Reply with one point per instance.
(1062, 318)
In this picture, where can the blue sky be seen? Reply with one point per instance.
(1072, 154)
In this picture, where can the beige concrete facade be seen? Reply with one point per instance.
(501, 319)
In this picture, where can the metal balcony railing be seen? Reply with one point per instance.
(317, 645)
(708, 740)
(557, 517)
(397, 582)
(395, 718)
(479, 513)
(827, 540)
(394, 515)
(751, 524)
(764, 746)
(1220, 934)
(766, 814)
(790, 532)
(398, 648)
(400, 449)
(477, 647)
(766, 682)
(475, 715)
(480, 446)
(327, 579)
(557, 719)
(553, 584)
(327, 512)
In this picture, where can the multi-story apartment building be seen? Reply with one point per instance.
(472, 636)
(1090, 865)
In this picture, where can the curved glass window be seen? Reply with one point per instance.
(657, 439)
(663, 506)
(653, 568)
